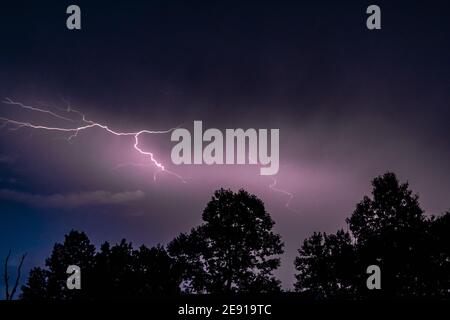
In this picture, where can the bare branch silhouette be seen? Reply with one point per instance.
(19, 268)
(6, 275)
(10, 295)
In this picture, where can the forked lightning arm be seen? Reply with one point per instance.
(88, 124)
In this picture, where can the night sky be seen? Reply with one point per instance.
(350, 104)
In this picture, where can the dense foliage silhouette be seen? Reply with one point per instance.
(390, 230)
(118, 272)
(234, 250)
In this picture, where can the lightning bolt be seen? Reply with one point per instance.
(87, 124)
(273, 187)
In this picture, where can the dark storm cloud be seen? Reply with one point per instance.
(6, 159)
(99, 197)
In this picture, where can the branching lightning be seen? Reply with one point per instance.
(289, 194)
(89, 124)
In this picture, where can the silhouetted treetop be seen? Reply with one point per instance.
(393, 206)
(115, 272)
(75, 250)
(389, 230)
(233, 250)
(323, 265)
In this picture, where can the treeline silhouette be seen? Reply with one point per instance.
(235, 250)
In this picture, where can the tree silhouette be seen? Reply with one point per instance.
(115, 272)
(233, 250)
(390, 230)
(324, 265)
(9, 295)
(236, 250)
(439, 255)
(50, 283)
(122, 272)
